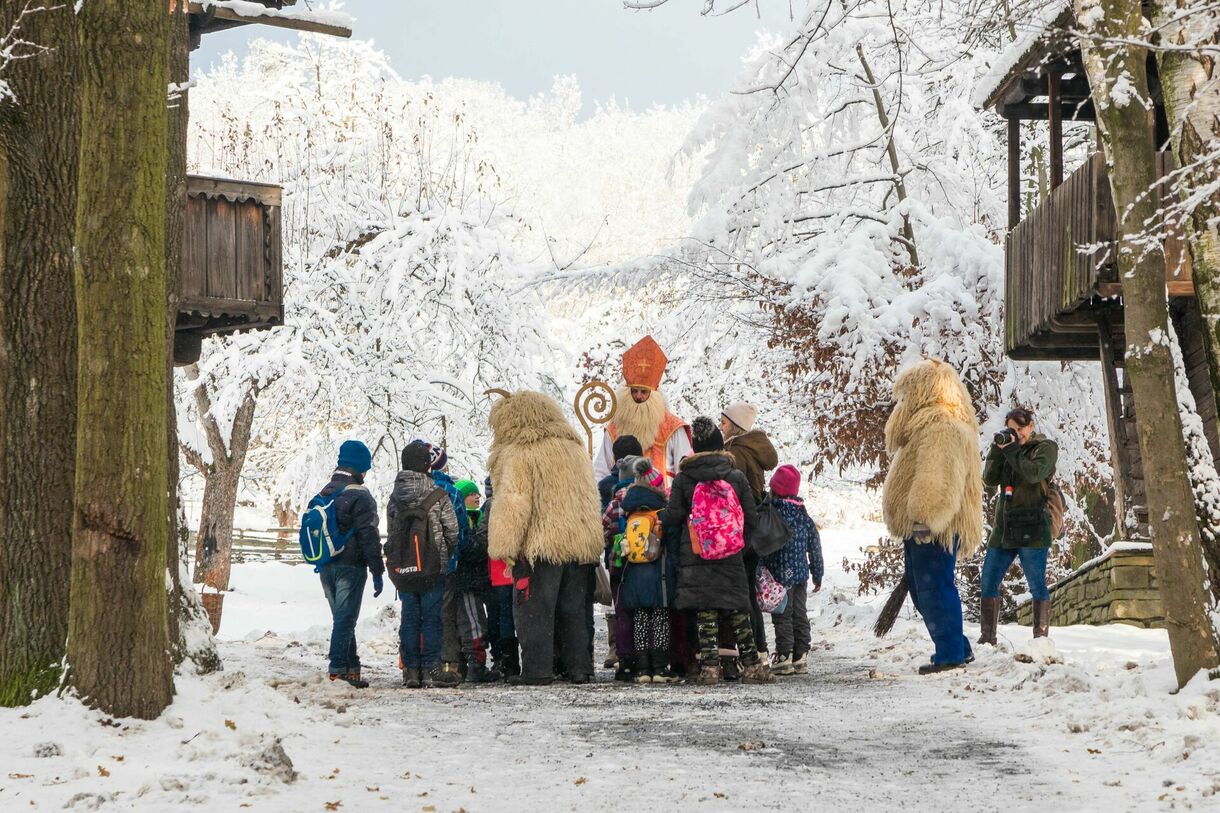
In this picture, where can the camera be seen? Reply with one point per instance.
(1005, 437)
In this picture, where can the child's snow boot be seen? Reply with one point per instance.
(709, 674)
(626, 669)
(730, 668)
(661, 672)
(781, 665)
(800, 663)
(643, 663)
(757, 673)
(510, 657)
(474, 671)
(447, 676)
(412, 678)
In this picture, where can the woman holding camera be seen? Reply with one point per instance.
(1020, 464)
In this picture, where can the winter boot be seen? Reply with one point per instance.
(626, 669)
(352, 679)
(781, 665)
(935, 668)
(661, 672)
(475, 671)
(520, 680)
(1042, 618)
(643, 663)
(730, 668)
(989, 617)
(709, 674)
(612, 655)
(447, 676)
(412, 678)
(510, 657)
(757, 673)
(800, 663)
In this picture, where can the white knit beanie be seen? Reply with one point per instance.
(742, 414)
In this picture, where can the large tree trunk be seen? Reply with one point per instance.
(39, 132)
(118, 637)
(1131, 154)
(221, 479)
(1190, 87)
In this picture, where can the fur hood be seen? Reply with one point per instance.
(935, 476)
(547, 505)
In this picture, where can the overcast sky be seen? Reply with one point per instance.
(662, 56)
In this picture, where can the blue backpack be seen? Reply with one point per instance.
(321, 540)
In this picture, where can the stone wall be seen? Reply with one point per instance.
(1119, 586)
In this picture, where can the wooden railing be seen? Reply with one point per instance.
(1049, 271)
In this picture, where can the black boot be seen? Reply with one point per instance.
(643, 666)
(510, 657)
(625, 673)
(661, 672)
(730, 667)
(412, 678)
(474, 671)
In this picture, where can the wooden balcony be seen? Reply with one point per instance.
(1060, 273)
(232, 276)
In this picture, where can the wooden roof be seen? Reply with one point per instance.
(209, 16)
(1016, 87)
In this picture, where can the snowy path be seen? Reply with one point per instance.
(834, 738)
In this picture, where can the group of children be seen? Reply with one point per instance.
(687, 584)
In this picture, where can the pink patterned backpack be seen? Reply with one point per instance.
(716, 522)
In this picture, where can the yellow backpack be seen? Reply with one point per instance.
(642, 537)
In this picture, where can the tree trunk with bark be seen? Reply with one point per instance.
(1128, 137)
(39, 131)
(1190, 87)
(118, 638)
(221, 480)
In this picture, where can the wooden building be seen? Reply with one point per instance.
(1063, 297)
(232, 275)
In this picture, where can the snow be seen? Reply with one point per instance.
(1098, 730)
(245, 8)
(1030, 32)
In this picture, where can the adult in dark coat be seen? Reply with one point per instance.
(755, 455)
(344, 575)
(715, 589)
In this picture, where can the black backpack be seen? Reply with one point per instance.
(412, 557)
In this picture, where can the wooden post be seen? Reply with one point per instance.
(1055, 118)
(1114, 409)
(1014, 172)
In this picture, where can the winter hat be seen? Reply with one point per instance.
(416, 457)
(626, 467)
(705, 435)
(356, 456)
(742, 414)
(645, 473)
(439, 458)
(626, 445)
(786, 482)
(467, 488)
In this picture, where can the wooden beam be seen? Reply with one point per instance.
(1118, 452)
(1014, 172)
(230, 17)
(1055, 118)
(233, 190)
(1039, 111)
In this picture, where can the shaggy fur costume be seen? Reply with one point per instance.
(547, 506)
(935, 476)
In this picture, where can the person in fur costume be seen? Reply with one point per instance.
(547, 522)
(642, 412)
(933, 497)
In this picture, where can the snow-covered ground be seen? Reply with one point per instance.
(1099, 731)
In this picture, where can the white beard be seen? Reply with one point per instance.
(641, 421)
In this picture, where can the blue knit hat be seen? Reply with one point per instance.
(356, 456)
(439, 458)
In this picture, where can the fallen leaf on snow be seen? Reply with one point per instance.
(102, 771)
(332, 805)
(229, 724)
(20, 775)
(580, 780)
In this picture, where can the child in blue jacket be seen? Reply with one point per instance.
(793, 566)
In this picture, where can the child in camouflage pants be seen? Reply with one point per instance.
(709, 625)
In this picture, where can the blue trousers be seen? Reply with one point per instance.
(420, 631)
(934, 592)
(1033, 563)
(343, 586)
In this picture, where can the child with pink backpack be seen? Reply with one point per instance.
(713, 509)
